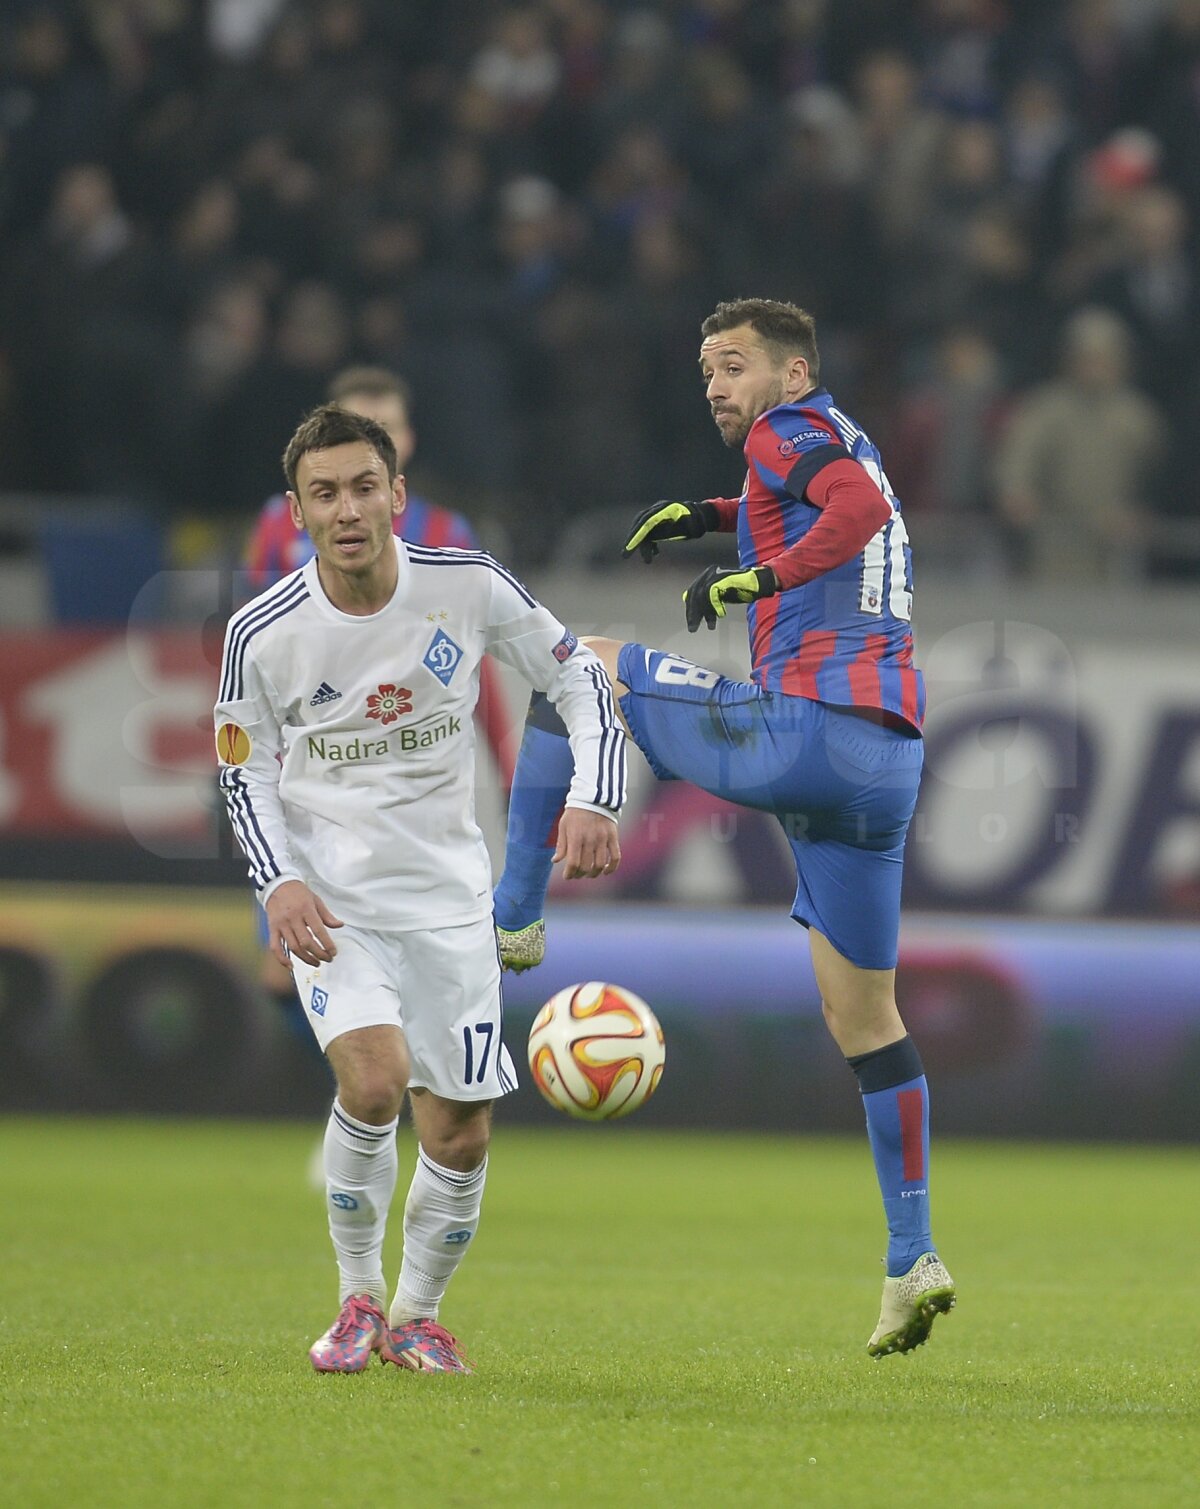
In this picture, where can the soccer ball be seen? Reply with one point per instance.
(596, 1051)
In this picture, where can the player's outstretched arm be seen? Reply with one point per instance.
(299, 922)
(668, 521)
(588, 844)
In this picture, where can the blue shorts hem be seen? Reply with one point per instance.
(810, 920)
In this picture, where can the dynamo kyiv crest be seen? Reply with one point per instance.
(442, 656)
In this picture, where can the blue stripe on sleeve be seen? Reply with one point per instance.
(249, 834)
(273, 605)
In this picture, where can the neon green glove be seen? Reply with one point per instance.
(705, 599)
(667, 521)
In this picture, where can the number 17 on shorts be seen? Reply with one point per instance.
(439, 986)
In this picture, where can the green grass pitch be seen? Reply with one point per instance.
(659, 1319)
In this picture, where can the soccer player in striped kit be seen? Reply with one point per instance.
(345, 743)
(826, 734)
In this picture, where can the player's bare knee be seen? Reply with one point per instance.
(462, 1152)
(457, 1142)
(371, 1093)
(841, 1017)
(607, 650)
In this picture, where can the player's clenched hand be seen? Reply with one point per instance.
(665, 521)
(587, 843)
(300, 923)
(705, 599)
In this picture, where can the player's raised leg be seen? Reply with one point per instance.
(540, 783)
(371, 1066)
(441, 1217)
(860, 1010)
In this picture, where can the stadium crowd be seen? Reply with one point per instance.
(527, 209)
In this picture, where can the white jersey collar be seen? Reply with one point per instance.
(327, 609)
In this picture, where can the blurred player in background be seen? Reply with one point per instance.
(346, 753)
(826, 735)
(278, 547)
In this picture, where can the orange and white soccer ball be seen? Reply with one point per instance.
(596, 1051)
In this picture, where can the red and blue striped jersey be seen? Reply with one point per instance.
(277, 547)
(845, 637)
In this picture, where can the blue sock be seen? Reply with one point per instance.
(896, 1100)
(545, 767)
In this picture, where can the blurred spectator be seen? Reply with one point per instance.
(732, 126)
(458, 213)
(960, 44)
(225, 338)
(946, 428)
(644, 86)
(904, 142)
(1094, 49)
(280, 195)
(583, 29)
(1164, 96)
(518, 68)
(87, 353)
(1094, 234)
(970, 260)
(1077, 468)
(639, 178)
(55, 103)
(237, 27)
(668, 285)
(586, 411)
(270, 396)
(1155, 288)
(794, 44)
(813, 176)
(200, 250)
(1041, 144)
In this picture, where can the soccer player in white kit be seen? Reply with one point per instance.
(346, 747)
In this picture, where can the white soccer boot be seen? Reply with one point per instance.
(911, 1304)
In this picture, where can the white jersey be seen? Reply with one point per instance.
(347, 744)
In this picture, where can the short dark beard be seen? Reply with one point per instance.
(739, 438)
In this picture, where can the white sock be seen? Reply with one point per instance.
(360, 1179)
(440, 1219)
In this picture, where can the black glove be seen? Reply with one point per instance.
(667, 521)
(716, 585)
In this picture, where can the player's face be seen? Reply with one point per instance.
(742, 380)
(345, 501)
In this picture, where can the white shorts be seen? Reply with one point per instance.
(440, 987)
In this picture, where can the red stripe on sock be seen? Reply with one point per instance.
(912, 1141)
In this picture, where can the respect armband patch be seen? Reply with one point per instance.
(233, 744)
(793, 446)
(565, 647)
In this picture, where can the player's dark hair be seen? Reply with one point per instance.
(369, 382)
(786, 329)
(332, 425)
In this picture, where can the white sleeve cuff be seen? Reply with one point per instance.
(572, 801)
(272, 886)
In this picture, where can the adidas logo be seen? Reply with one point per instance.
(324, 693)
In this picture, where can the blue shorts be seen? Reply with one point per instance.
(842, 787)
